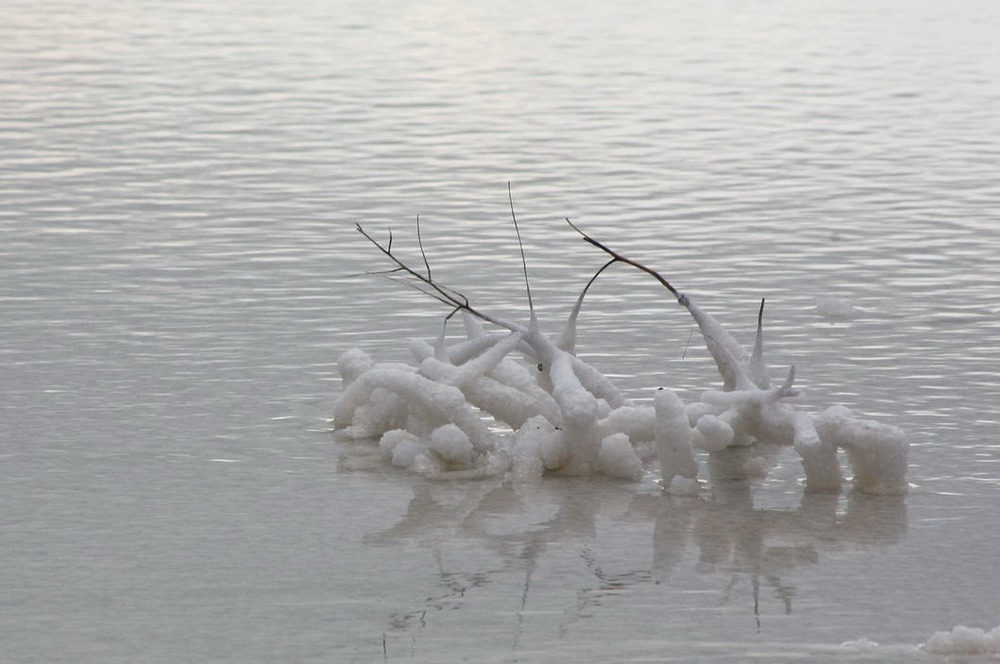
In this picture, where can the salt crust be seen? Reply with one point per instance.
(964, 641)
(471, 409)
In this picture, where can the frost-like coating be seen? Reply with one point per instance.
(673, 436)
(716, 435)
(819, 457)
(510, 399)
(452, 446)
(617, 458)
(964, 641)
(877, 452)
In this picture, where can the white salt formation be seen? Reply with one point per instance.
(964, 641)
(516, 401)
(673, 437)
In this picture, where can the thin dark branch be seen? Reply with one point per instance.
(420, 244)
(391, 275)
(448, 296)
(760, 314)
(579, 300)
(374, 273)
(583, 293)
(524, 262)
(616, 257)
(596, 275)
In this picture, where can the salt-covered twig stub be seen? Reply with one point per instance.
(819, 457)
(673, 437)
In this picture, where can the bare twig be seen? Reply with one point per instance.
(583, 293)
(420, 243)
(616, 257)
(524, 262)
(446, 295)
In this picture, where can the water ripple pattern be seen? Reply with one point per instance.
(179, 183)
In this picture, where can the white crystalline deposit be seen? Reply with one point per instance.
(673, 436)
(536, 441)
(819, 456)
(713, 434)
(517, 401)
(752, 410)
(434, 419)
(565, 417)
(964, 641)
(452, 446)
(877, 452)
(617, 458)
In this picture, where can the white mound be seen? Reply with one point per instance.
(964, 641)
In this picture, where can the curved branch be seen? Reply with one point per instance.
(616, 257)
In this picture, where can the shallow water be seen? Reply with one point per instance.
(179, 184)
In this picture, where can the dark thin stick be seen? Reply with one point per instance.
(583, 293)
(420, 244)
(427, 286)
(524, 262)
(403, 273)
(624, 259)
(596, 275)
(760, 314)
(389, 274)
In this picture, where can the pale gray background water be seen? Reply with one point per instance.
(178, 186)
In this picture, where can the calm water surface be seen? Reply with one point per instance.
(178, 188)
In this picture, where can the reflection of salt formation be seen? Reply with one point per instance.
(735, 537)
(566, 417)
(532, 527)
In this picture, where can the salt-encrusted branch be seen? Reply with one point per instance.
(730, 357)
(618, 258)
(756, 369)
(567, 338)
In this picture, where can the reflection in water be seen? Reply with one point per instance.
(721, 535)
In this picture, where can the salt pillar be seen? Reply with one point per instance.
(673, 437)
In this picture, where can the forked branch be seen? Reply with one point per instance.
(426, 284)
(618, 258)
